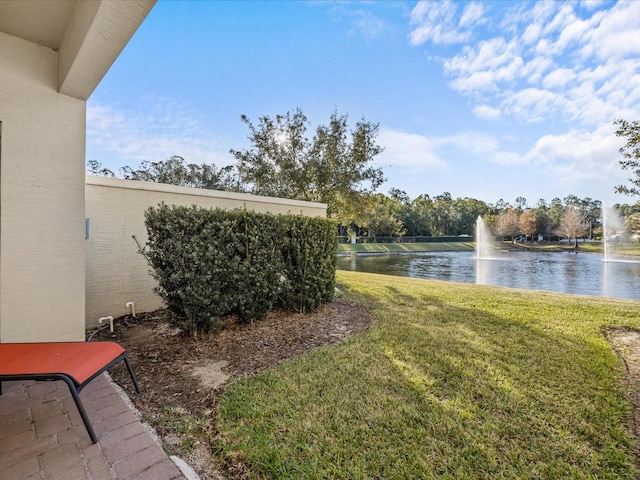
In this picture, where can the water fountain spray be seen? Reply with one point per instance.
(484, 240)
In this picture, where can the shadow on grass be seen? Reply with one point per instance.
(439, 388)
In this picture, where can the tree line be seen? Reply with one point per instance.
(396, 215)
(335, 166)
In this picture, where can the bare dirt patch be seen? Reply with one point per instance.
(181, 378)
(210, 373)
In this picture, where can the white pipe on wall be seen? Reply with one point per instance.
(110, 318)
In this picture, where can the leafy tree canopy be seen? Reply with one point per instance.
(333, 167)
(630, 154)
(176, 171)
(94, 167)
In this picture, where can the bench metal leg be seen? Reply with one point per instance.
(81, 410)
(133, 377)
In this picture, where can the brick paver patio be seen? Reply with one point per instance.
(42, 435)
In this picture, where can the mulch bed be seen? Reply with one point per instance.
(190, 373)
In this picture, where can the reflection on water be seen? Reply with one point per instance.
(563, 272)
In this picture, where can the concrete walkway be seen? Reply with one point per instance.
(42, 435)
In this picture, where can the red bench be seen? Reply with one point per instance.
(76, 363)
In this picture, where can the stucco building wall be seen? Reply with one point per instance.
(53, 54)
(115, 272)
(41, 198)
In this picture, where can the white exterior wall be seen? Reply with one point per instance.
(42, 154)
(116, 273)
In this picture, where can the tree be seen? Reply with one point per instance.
(491, 222)
(400, 195)
(592, 211)
(630, 154)
(543, 223)
(401, 206)
(625, 209)
(508, 223)
(94, 167)
(280, 149)
(444, 215)
(632, 222)
(528, 224)
(335, 167)
(381, 220)
(573, 225)
(556, 212)
(421, 216)
(571, 201)
(176, 171)
(501, 206)
(468, 210)
(521, 203)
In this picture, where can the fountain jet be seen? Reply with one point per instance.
(484, 240)
(612, 230)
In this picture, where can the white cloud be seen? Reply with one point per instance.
(541, 12)
(360, 21)
(563, 18)
(129, 137)
(561, 61)
(486, 112)
(532, 105)
(572, 33)
(524, 14)
(544, 48)
(421, 154)
(581, 155)
(488, 55)
(531, 34)
(534, 69)
(368, 25)
(482, 68)
(591, 4)
(575, 161)
(558, 78)
(436, 22)
(475, 83)
(472, 14)
(617, 34)
(409, 150)
(482, 147)
(569, 160)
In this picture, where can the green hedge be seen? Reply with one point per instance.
(211, 263)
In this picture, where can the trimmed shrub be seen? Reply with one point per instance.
(261, 265)
(210, 263)
(309, 251)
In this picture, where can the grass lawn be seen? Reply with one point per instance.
(452, 381)
(626, 249)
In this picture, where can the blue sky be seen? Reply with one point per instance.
(490, 100)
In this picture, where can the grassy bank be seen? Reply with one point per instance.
(626, 249)
(632, 249)
(592, 247)
(348, 248)
(452, 381)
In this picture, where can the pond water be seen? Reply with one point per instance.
(562, 272)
